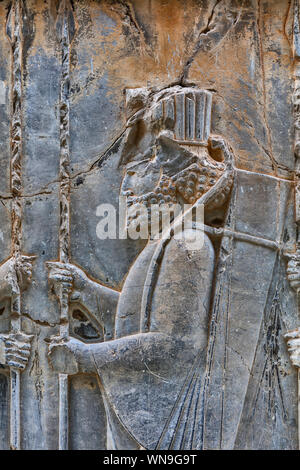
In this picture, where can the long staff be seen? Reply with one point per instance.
(65, 30)
(14, 33)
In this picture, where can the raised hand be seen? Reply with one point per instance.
(60, 276)
(65, 275)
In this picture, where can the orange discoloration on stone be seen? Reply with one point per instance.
(149, 42)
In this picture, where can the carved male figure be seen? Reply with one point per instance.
(152, 364)
(151, 368)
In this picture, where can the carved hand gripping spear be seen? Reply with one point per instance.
(65, 30)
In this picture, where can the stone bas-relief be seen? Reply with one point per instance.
(148, 344)
(152, 329)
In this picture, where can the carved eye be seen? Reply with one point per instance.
(130, 172)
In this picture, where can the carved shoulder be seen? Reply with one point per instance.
(181, 296)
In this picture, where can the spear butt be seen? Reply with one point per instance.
(63, 379)
(15, 409)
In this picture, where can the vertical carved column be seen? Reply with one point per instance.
(65, 31)
(14, 33)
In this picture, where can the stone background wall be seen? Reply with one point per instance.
(241, 52)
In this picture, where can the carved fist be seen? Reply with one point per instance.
(67, 276)
(293, 273)
(293, 343)
(15, 350)
(15, 275)
(69, 355)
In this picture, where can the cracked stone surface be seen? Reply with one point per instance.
(164, 347)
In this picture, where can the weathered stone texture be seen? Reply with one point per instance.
(170, 348)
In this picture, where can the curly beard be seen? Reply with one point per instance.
(185, 187)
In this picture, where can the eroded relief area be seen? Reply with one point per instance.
(149, 274)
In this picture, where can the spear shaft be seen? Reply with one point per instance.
(65, 28)
(14, 33)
